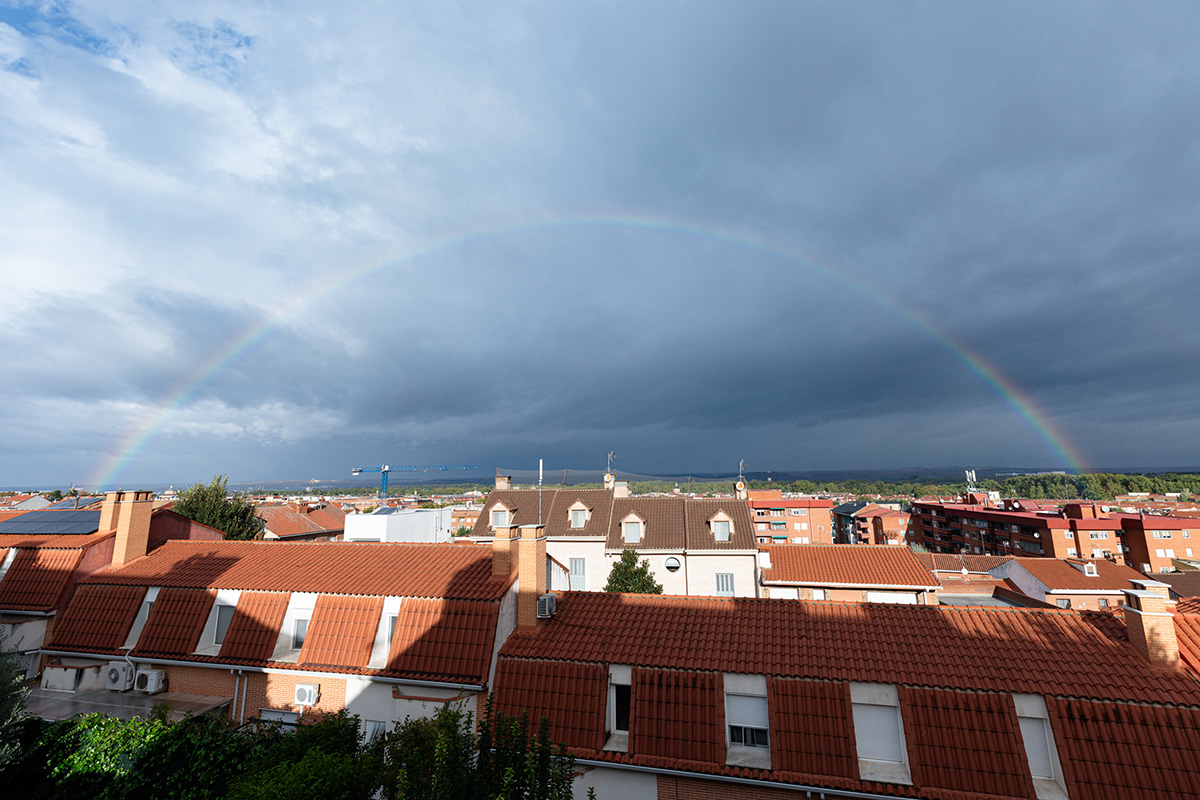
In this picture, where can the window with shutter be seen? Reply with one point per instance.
(579, 574)
(879, 732)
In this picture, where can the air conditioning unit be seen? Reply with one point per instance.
(119, 677)
(546, 605)
(150, 681)
(307, 694)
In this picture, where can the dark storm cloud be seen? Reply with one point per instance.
(1016, 184)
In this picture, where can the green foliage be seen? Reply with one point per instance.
(55, 496)
(12, 706)
(212, 506)
(318, 774)
(628, 575)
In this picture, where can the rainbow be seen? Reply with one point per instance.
(144, 432)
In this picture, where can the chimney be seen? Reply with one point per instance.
(503, 483)
(502, 552)
(133, 511)
(621, 489)
(531, 574)
(739, 491)
(108, 511)
(1158, 587)
(1151, 627)
(301, 507)
(610, 481)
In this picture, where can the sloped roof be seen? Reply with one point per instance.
(449, 638)
(700, 510)
(558, 519)
(946, 562)
(410, 570)
(36, 579)
(341, 631)
(255, 625)
(175, 622)
(995, 649)
(54, 540)
(1184, 584)
(973, 584)
(57, 521)
(846, 565)
(664, 517)
(1188, 605)
(286, 520)
(673, 701)
(1058, 574)
(98, 618)
(810, 722)
(571, 695)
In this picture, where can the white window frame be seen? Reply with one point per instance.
(577, 577)
(139, 621)
(631, 531)
(722, 529)
(219, 634)
(618, 675)
(873, 707)
(1034, 718)
(500, 517)
(724, 578)
(747, 716)
(578, 515)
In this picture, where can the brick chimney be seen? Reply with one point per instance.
(132, 511)
(531, 574)
(108, 511)
(610, 481)
(502, 552)
(503, 483)
(1151, 627)
(1158, 587)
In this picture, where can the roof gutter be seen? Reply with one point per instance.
(16, 612)
(820, 791)
(171, 662)
(883, 587)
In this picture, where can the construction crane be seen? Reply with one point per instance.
(384, 469)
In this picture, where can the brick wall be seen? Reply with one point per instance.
(262, 690)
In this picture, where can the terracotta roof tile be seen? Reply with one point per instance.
(341, 631)
(846, 565)
(1188, 605)
(965, 741)
(175, 622)
(1187, 634)
(972, 584)
(254, 628)
(37, 578)
(571, 695)
(1114, 752)
(98, 618)
(286, 520)
(1056, 573)
(1184, 584)
(678, 714)
(558, 520)
(408, 570)
(810, 727)
(699, 533)
(996, 649)
(449, 638)
(946, 562)
(664, 518)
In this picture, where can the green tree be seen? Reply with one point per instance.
(628, 575)
(12, 705)
(213, 506)
(55, 496)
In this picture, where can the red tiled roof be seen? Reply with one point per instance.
(700, 510)
(946, 562)
(341, 631)
(569, 694)
(666, 703)
(1058, 574)
(36, 579)
(1187, 634)
(664, 518)
(53, 540)
(996, 649)
(1116, 752)
(965, 741)
(409, 570)
(810, 727)
(846, 565)
(451, 638)
(175, 622)
(254, 628)
(1188, 605)
(970, 584)
(97, 619)
(287, 520)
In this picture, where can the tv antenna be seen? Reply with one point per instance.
(612, 456)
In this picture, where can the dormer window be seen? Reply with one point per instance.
(632, 531)
(499, 517)
(224, 617)
(721, 530)
(579, 514)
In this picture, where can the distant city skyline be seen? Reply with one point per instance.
(276, 241)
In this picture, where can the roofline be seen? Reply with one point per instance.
(1106, 590)
(49, 613)
(770, 582)
(171, 662)
(794, 787)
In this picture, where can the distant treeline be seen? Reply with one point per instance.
(1092, 486)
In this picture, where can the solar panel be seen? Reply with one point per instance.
(41, 523)
(69, 504)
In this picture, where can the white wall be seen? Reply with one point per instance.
(1029, 585)
(406, 525)
(563, 550)
(616, 783)
(703, 569)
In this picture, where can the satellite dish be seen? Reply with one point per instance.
(739, 486)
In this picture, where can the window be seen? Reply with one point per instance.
(1103, 602)
(272, 715)
(720, 528)
(1160, 553)
(818, 594)
(579, 574)
(1070, 552)
(672, 564)
(499, 517)
(632, 531)
(578, 517)
(299, 631)
(747, 718)
(1162, 534)
(779, 526)
(879, 732)
(1170, 552)
(800, 540)
(762, 526)
(1099, 534)
(621, 708)
(1064, 602)
(391, 623)
(801, 526)
(1038, 739)
(724, 584)
(224, 617)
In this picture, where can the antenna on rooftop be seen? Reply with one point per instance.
(741, 469)
(612, 456)
(970, 480)
(539, 491)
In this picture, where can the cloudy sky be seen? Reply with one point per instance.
(278, 240)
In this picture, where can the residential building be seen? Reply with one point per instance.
(888, 526)
(302, 521)
(848, 527)
(858, 573)
(1154, 541)
(45, 554)
(794, 519)
(386, 524)
(745, 698)
(696, 546)
(1071, 583)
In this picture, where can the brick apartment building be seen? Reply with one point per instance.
(790, 520)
